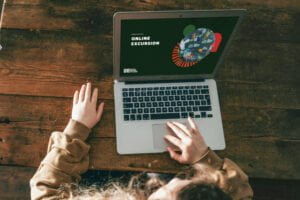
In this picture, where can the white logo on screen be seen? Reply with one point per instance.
(130, 70)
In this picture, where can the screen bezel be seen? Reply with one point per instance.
(119, 16)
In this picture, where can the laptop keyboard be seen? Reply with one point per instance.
(151, 103)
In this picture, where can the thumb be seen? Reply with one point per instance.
(173, 154)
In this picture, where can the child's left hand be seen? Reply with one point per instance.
(85, 107)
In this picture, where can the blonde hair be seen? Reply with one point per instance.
(134, 190)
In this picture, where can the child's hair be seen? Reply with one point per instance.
(202, 191)
(139, 189)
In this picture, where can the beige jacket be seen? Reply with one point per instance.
(67, 158)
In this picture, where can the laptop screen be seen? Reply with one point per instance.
(177, 46)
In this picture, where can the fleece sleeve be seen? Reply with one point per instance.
(66, 159)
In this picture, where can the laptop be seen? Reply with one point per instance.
(163, 69)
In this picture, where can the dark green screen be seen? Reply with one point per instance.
(157, 59)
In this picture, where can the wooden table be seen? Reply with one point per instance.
(51, 48)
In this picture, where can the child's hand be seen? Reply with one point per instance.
(189, 141)
(84, 107)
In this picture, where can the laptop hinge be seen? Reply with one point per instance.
(164, 81)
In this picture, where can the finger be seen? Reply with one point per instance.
(95, 96)
(88, 92)
(183, 128)
(82, 92)
(75, 97)
(174, 155)
(193, 124)
(178, 132)
(173, 140)
(100, 111)
(172, 146)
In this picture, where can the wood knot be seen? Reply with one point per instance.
(4, 120)
(6, 71)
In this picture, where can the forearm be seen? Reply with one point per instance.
(66, 159)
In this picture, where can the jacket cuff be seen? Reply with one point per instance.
(77, 130)
(211, 158)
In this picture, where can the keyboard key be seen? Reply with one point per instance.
(176, 109)
(165, 110)
(197, 116)
(171, 98)
(203, 103)
(173, 92)
(165, 116)
(139, 117)
(189, 108)
(158, 110)
(134, 99)
(143, 104)
(167, 104)
(207, 97)
(124, 89)
(195, 108)
(141, 99)
(131, 94)
(205, 91)
(126, 117)
(197, 103)
(125, 94)
(209, 115)
(177, 98)
(185, 103)
(165, 98)
(133, 111)
(126, 111)
(179, 103)
(136, 105)
(203, 114)
(182, 98)
(128, 105)
(208, 102)
(191, 103)
(205, 108)
(170, 109)
(154, 104)
(153, 98)
(132, 117)
(191, 114)
(146, 110)
(146, 116)
(158, 98)
(152, 110)
(148, 104)
(189, 97)
(182, 109)
(147, 99)
(184, 115)
(140, 110)
(126, 99)
(173, 103)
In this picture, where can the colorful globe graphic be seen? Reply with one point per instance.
(196, 45)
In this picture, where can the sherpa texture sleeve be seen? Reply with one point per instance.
(67, 157)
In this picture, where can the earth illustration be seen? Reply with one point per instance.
(196, 45)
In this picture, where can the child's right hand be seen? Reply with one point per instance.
(85, 106)
(189, 141)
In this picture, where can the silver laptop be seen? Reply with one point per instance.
(164, 66)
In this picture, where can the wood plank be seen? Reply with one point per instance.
(256, 138)
(40, 115)
(248, 154)
(48, 62)
(261, 23)
(14, 182)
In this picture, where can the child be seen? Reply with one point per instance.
(67, 158)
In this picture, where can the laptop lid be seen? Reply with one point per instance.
(171, 45)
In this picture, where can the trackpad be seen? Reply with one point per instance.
(158, 132)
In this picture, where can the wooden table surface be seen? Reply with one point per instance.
(51, 47)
